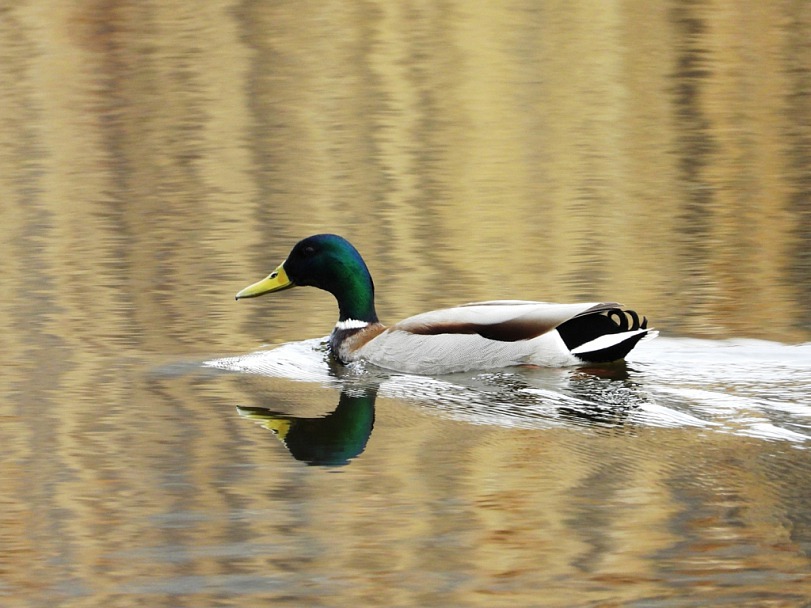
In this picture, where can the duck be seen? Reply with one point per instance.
(476, 336)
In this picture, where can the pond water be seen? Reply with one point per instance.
(164, 445)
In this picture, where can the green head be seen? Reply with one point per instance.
(331, 263)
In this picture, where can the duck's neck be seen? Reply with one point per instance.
(356, 298)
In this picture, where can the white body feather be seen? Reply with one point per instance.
(449, 353)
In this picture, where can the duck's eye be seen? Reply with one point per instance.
(308, 250)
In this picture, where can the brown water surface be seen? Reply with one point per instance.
(155, 157)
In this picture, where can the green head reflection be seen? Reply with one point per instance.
(332, 440)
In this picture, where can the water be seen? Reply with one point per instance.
(164, 445)
(646, 481)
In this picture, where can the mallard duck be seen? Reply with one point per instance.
(475, 336)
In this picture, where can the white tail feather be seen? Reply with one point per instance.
(609, 340)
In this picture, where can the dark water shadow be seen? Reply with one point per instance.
(604, 395)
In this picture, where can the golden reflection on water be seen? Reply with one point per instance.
(156, 156)
(521, 151)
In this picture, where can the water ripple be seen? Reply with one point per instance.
(748, 388)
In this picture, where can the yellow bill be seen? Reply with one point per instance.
(280, 426)
(275, 281)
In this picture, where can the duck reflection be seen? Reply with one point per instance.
(606, 395)
(600, 396)
(331, 440)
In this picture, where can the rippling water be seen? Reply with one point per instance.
(742, 387)
(155, 157)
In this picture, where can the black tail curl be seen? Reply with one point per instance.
(626, 320)
(580, 330)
